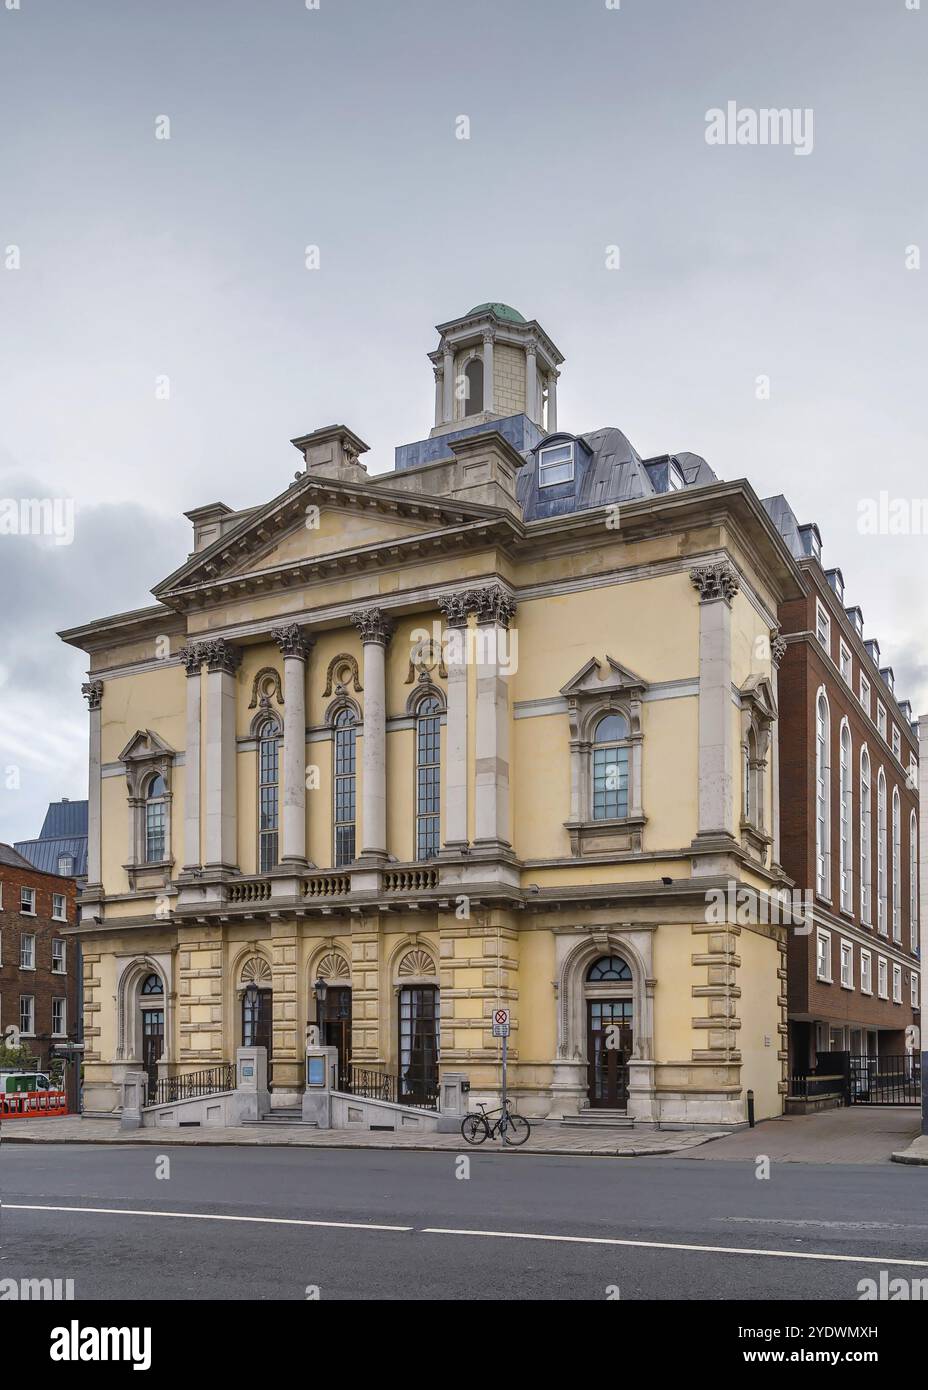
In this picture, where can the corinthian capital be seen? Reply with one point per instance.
(454, 608)
(220, 655)
(293, 640)
(716, 581)
(373, 625)
(777, 646)
(491, 605)
(192, 658)
(92, 692)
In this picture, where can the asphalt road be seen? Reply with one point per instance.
(405, 1226)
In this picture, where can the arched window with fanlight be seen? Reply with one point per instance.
(428, 776)
(845, 812)
(610, 768)
(608, 968)
(881, 870)
(155, 819)
(822, 797)
(345, 786)
(473, 387)
(866, 837)
(897, 865)
(913, 881)
(268, 794)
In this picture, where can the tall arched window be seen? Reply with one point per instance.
(846, 832)
(822, 799)
(473, 387)
(897, 865)
(866, 839)
(155, 819)
(428, 776)
(913, 881)
(268, 794)
(345, 787)
(610, 768)
(881, 925)
(750, 758)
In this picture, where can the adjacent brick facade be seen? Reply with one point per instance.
(38, 981)
(808, 667)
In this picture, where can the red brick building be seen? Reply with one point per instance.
(848, 761)
(38, 962)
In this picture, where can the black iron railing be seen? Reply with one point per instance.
(885, 1080)
(807, 1085)
(171, 1089)
(416, 1087)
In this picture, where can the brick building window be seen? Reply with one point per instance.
(27, 901)
(913, 882)
(59, 1018)
(866, 833)
(58, 956)
(897, 866)
(823, 626)
(897, 983)
(845, 832)
(27, 951)
(823, 956)
(822, 797)
(882, 977)
(59, 907)
(847, 965)
(913, 982)
(866, 973)
(27, 1015)
(881, 898)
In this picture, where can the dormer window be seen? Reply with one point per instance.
(836, 580)
(675, 479)
(556, 464)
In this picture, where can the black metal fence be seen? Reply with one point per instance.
(418, 1088)
(885, 1080)
(171, 1089)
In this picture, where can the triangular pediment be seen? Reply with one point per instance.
(603, 678)
(145, 745)
(757, 692)
(319, 517)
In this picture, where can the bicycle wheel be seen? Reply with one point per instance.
(474, 1129)
(517, 1130)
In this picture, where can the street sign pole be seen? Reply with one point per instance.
(505, 1049)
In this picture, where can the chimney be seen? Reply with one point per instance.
(333, 452)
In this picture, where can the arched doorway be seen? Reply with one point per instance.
(257, 1003)
(151, 1004)
(331, 987)
(417, 1028)
(608, 989)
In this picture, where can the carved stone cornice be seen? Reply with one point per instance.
(778, 646)
(373, 625)
(220, 655)
(294, 640)
(92, 692)
(491, 605)
(720, 580)
(192, 658)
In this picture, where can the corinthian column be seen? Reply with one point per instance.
(192, 657)
(222, 661)
(454, 792)
(376, 629)
(295, 644)
(494, 609)
(717, 585)
(93, 693)
(488, 393)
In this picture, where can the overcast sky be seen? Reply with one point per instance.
(142, 258)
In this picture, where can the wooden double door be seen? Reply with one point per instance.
(334, 1018)
(609, 1046)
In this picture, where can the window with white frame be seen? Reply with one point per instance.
(27, 901)
(822, 626)
(556, 464)
(881, 718)
(822, 798)
(897, 866)
(58, 955)
(882, 977)
(155, 820)
(345, 786)
(27, 951)
(59, 907)
(27, 1015)
(913, 990)
(866, 830)
(847, 965)
(66, 865)
(913, 882)
(59, 1018)
(845, 832)
(823, 956)
(428, 776)
(1, 895)
(866, 972)
(882, 925)
(897, 983)
(268, 794)
(911, 780)
(610, 757)
(865, 693)
(897, 743)
(846, 664)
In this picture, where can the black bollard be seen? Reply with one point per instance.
(751, 1109)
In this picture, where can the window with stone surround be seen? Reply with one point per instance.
(866, 834)
(845, 804)
(428, 776)
(268, 735)
(897, 866)
(345, 787)
(822, 797)
(882, 925)
(913, 881)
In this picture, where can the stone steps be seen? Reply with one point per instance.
(290, 1118)
(599, 1119)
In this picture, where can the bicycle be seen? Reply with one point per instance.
(512, 1129)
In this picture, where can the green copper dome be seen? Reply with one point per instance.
(502, 311)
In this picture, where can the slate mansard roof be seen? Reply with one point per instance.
(64, 831)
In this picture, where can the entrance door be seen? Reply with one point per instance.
(336, 1029)
(257, 1011)
(418, 1038)
(609, 1046)
(152, 1046)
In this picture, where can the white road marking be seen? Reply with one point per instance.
(209, 1216)
(670, 1245)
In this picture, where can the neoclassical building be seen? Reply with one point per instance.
(494, 728)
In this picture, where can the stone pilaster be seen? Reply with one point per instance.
(287, 1061)
(222, 662)
(295, 644)
(199, 997)
(370, 1025)
(455, 613)
(93, 693)
(717, 585)
(494, 610)
(531, 380)
(488, 392)
(376, 629)
(192, 658)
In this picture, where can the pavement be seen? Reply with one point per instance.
(186, 1222)
(854, 1134)
(917, 1152)
(546, 1138)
